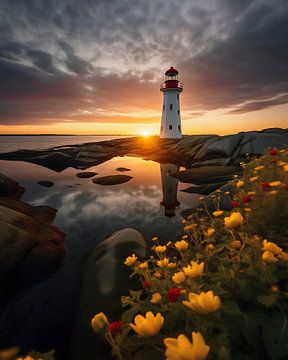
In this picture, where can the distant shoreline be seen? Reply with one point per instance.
(69, 135)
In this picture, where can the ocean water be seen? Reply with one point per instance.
(13, 143)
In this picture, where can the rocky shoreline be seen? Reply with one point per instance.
(31, 247)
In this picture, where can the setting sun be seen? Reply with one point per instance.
(145, 133)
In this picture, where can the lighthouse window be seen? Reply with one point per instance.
(164, 107)
(171, 106)
(179, 127)
(178, 112)
(161, 128)
(177, 96)
(170, 127)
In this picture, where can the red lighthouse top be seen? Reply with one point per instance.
(171, 81)
(171, 72)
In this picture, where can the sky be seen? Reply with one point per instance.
(95, 66)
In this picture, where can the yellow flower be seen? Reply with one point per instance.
(99, 322)
(181, 245)
(149, 325)
(283, 256)
(160, 249)
(190, 227)
(240, 183)
(274, 288)
(169, 243)
(171, 265)
(156, 298)
(268, 257)
(183, 291)
(184, 237)
(179, 277)
(281, 163)
(285, 168)
(194, 270)
(157, 275)
(143, 265)
(217, 213)
(271, 247)
(251, 193)
(234, 220)
(260, 167)
(247, 210)
(272, 192)
(210, 246)
(182, 349)
(130, 260)
(154, 238)
(210, 232)
(254, 178)
(236, 244)
(227, 192)
(163, 262)
(275, 183)
(204, 303)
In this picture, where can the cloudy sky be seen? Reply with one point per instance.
(94, 66)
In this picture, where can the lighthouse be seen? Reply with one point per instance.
(171, 119)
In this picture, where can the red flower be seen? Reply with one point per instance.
(265, 186)
(273, 152)
(147, 284)
(246, 199)
(235, 204)
(274, 161)
(173, 294)
(115, 327)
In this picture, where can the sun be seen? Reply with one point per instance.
(145, 133)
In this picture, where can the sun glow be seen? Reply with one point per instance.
(145, 133)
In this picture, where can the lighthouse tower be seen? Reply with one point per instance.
(171, 120)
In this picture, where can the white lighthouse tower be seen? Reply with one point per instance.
(171, 120)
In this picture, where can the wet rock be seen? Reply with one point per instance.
(86, 174)
(112, 179)
(207, 174)
(104, 279)
(9, 187)
(122, 169)
(45, 183)
(204, 189)
(30, 246)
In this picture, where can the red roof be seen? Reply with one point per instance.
(171, 71)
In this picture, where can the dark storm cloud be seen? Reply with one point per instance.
(62, 59)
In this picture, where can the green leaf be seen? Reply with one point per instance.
(267, 300)
(232, 308)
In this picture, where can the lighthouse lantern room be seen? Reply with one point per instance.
(171, 119)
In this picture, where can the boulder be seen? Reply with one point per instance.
(45, 183)
(30, 246)
(112, 179)
(207, 174)
(86, 174)
(122, 169)
(104, 279)
(9, 187)
(204, 189)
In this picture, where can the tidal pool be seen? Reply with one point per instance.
(151, 202)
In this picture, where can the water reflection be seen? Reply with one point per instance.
(88, 213)
(169, 189)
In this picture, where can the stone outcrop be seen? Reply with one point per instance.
(86, 174)
(30, 245)
(190, 151)
(112, 179)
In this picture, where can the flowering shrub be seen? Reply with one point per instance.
(220, 291)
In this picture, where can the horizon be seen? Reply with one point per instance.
(66, 70)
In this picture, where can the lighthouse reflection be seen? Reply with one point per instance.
(169, 188)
